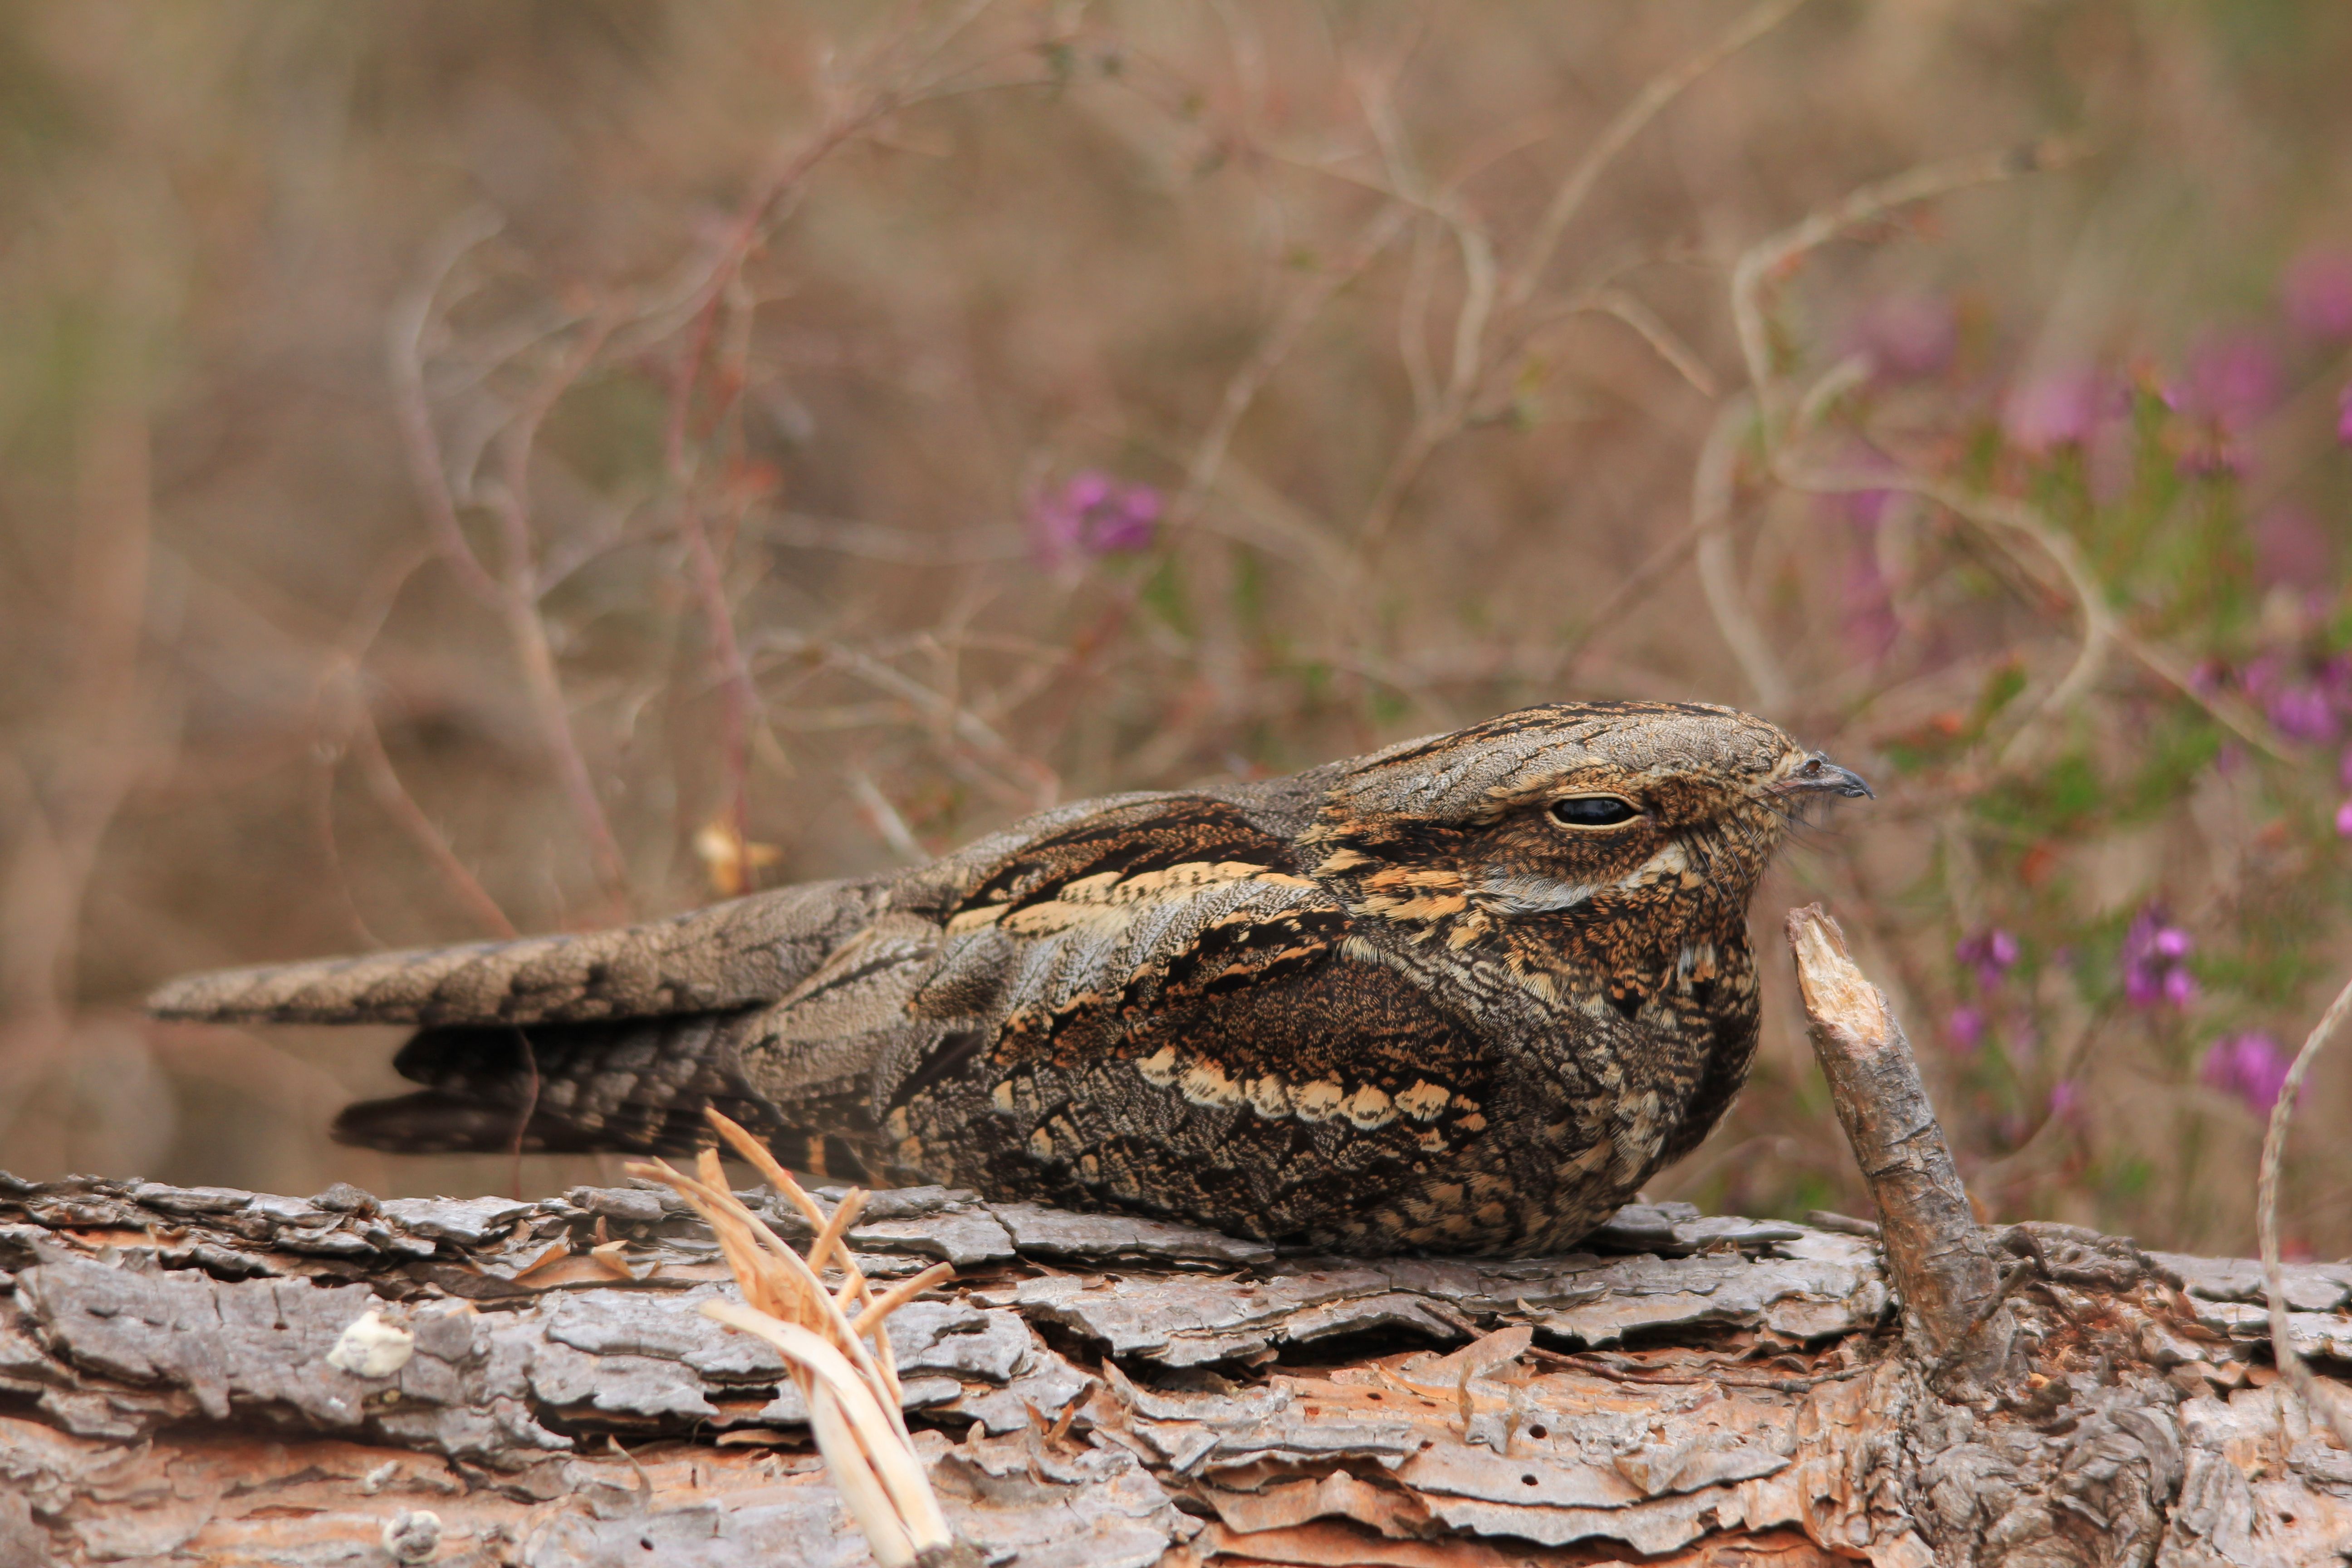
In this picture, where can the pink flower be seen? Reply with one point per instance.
(1909, 337)
(2317, 291)
(2066, 1101)
(2250, 1065)
(1993, 951)
(2153, 956)
(2302, 713)
(2290, 547)
(1868, 618)
(2343, 416)
(2056, 408)
(2344, 820)
(2232, 380)
(1965, 1027)
(1091, 514)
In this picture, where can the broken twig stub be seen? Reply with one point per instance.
(1935, 1249)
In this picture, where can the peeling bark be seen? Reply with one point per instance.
(206, 1375)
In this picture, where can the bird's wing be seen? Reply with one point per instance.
(1158, 1006)
(1109, 910)
(730, 955)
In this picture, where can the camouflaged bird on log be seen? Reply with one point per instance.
(1462, 995)
(204, 1374)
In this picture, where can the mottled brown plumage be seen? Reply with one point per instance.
(1463, 996)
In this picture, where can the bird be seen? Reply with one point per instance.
(1462, 995)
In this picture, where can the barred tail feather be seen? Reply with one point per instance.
(636, 1086)
(730, 955)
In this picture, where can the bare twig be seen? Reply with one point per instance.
(108, 743)
(1297, 314)
(1712, 488)
(884, 819)
(1486, 297)
(404, 333)
(1766, 262)
(365, 745)
(2005, 522)
(2329, 1403)
(1628, 123)
(1934, 1250)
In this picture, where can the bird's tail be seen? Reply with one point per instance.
(634, 1086)
(728, 956)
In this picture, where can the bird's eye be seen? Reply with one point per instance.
(1593, 811)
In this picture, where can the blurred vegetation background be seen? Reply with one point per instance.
(520, 467)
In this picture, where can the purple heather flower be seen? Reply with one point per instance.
(1091, 514)
(2317, 291)
(2344, 820)
(1993, 952)
(2056, 408)
(2302, 713)
(2232, 380)
(1909, 337)
(2152, 961)
(2343, 416)
(1868, 617)
(2250, 1065)
(2290, 547)
(1966, 1025)
(2066, 1101)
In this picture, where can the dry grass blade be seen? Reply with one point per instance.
(851, 1385)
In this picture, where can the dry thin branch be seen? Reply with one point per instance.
(1486, 297)
(2329, 1404)
(1628, 122)
(1298, 313)
(405, 333)
(2005, 522)
(1934, 1249)
(1712, 486)
(1767, 261)
(365, 745)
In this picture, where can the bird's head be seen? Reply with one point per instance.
(1571, 830)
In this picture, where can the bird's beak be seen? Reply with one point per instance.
(1819, 776)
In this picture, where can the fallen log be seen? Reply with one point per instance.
(209, 1375)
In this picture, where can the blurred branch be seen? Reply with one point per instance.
(1712, 488)
(881, 541)
(1628, 122)
(411, 318)
(513, 591)
(1023, 777)
(1766, 262)
(883, 818)
(2328, 1404)
(1298, 313)
(1625, 306)
(365, 744)
(2004, 521)
(1487, 295)
(102, 741)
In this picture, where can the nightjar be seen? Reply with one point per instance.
(1463, 996)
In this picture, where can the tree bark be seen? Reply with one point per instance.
(207, 1375)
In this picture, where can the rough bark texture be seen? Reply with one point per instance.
(202, 1375)
(178, 1371)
